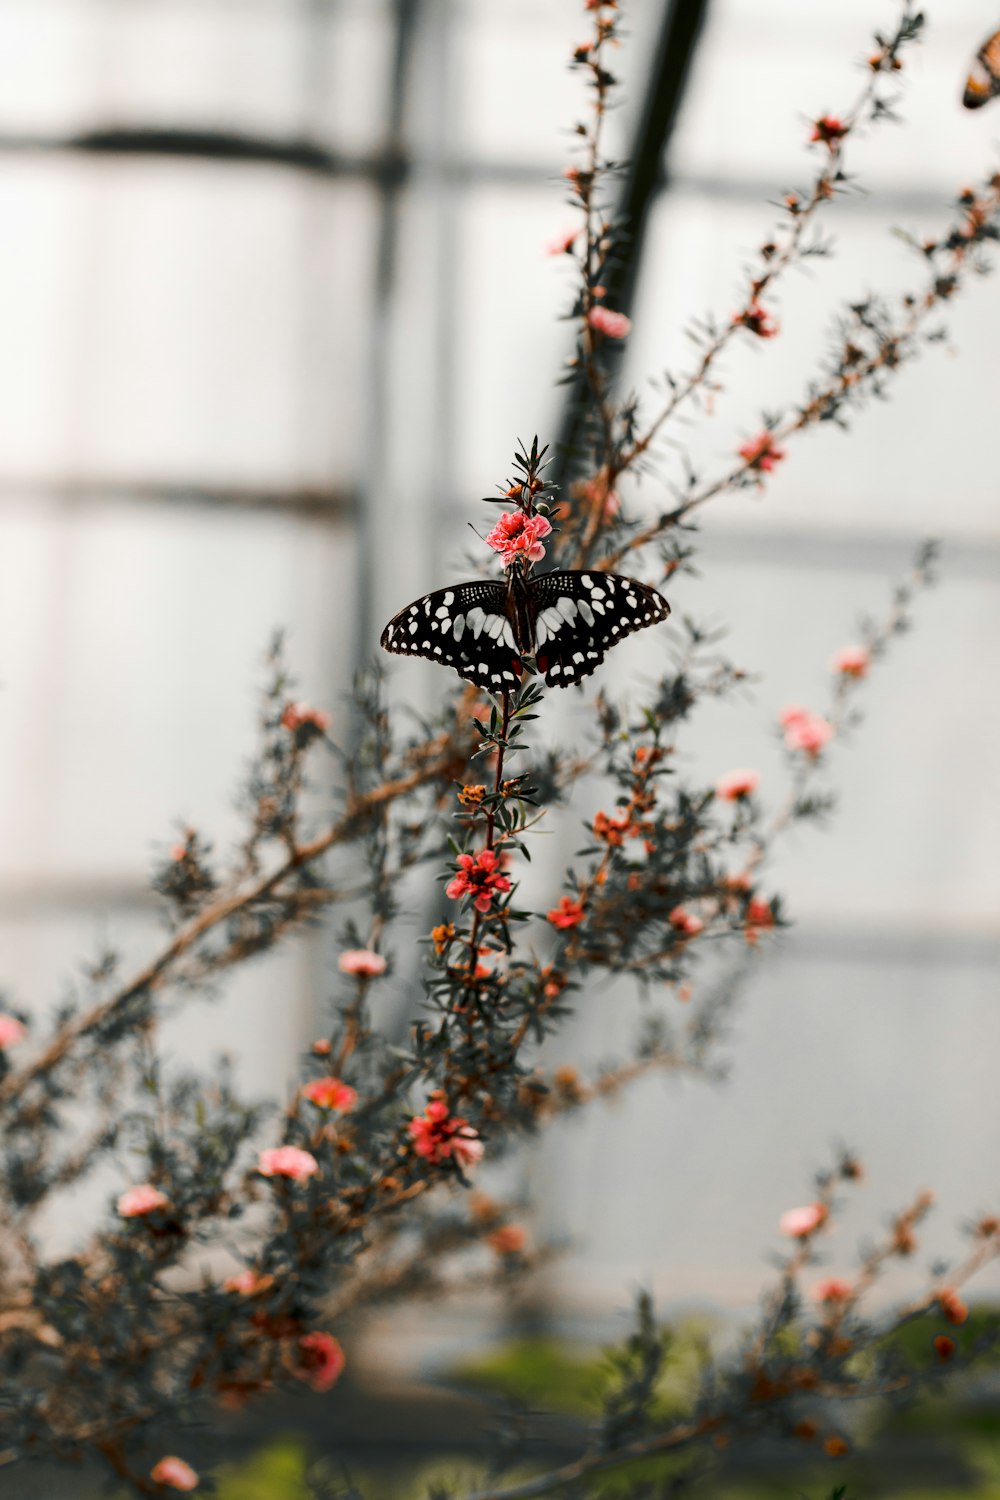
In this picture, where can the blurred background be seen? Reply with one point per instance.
(275, 307)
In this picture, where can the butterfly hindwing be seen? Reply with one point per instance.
(983, 82)
(465, 627)
(580, 615)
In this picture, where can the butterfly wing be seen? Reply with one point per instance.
(983, 81)
(579, 616)
(465, 627)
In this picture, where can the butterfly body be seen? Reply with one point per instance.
(567, 620)
(983, 82)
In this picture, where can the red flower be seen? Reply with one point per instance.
(832, 1289)
(479, 877)
(611, 830)
(736, 785)
(568, 913)
(944, 1347)
(829, 130)
(330, 1093)
(304, 722)
(759, 917)
(685, 921)
(509, 1239)
(952, 1305)
(438, 1134)
(320, 1360)
(517, 533)
(614, 325)
(762, 452)
(757, 320)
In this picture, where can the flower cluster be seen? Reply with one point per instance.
(481, 877)
(805, 731)
(762, 453)
(440, 1136)
(519, 535)
(758, 321)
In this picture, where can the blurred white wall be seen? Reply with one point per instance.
(181, 323)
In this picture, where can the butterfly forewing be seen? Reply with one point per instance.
(465, 627)
(580, 615)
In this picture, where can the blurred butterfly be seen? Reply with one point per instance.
(983, 81)
(566, 620)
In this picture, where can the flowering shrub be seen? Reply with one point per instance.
(358, 1193)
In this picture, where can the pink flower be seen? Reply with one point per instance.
(562, 244)
(515, 533)
(287, 1161)
(437, 1134)
(568, 913)
(757, 320)
(174, 1474)
(303, 721)
(11, 1031)
(792, 714)
(361, 961)
(144, 1199)
(614, 325)
(832, 1289)
(685, 921)
(806, 731)
(852, 661)
(800, 1223)
(762, 452)
(478, 876)
(248, 1283)
(320, 1360)
(829, 130)
(330, 1093)
(736, 785)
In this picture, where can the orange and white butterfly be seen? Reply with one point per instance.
(983, 82)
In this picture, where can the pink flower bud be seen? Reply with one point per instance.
(143, 1199)
(11, 1031)
(174, 1474)
(852, 661)
(800, 1223)
(361, 961)
(287, 1161)
(614, 325)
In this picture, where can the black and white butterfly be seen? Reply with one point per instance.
(566, 620)
(983, 82)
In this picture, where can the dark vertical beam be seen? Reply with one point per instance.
(405, 16)
(668, 77)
